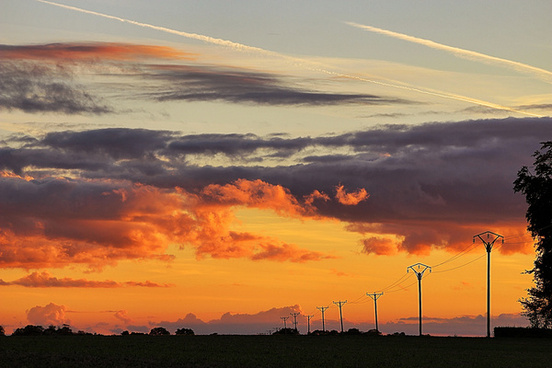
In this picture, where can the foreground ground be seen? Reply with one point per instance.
(272, 351)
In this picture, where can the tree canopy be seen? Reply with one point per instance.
(185, 331)
(536, 185)
(159, 331)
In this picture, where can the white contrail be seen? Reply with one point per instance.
(212, 40)
(305, 63)
(542, 74)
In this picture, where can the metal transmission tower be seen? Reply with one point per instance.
(375, 297)
(284, 319)
(295, 314)
(323, 309)
(488, 247)
(419, 269)
(309, 316)
(340, 304)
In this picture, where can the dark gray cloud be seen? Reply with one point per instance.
(536, 107)
(36, 87)
(116, 143)
(434, 184)
(209, 83)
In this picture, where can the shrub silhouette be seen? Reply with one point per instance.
(29, 330)
(159, 331)
(32, 330)
(286, 331)
(185, 331)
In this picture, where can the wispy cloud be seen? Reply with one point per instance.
(307, 64)
(90, 51)
(541, 74)
(41, 78)
(46, 280)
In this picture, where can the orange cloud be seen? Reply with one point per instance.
(51, 314)
(287, 252)
(350, 199)
(122, 315)
(379, 246)
(56, 222)
(46, 280)
(256, 194)
(415, 237)
(309, 199)
(90, 51)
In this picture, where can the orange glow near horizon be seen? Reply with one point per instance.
(211, 287)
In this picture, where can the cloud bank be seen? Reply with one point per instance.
(112, 194)
(43, 78)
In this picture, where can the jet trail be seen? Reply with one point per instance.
(313, 66)
(542, 74)
(207, 39)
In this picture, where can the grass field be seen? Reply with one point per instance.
(272, 351)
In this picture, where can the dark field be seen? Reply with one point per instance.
(272, 351)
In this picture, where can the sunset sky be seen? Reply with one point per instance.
(218, 165)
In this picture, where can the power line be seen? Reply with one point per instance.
(462, 265)
(358, 300)
(457, 255)
(393, 284)
(402, 288)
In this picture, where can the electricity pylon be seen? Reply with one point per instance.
(340, 304)
(323, 309)
(419, 269)
(375, 297)
(284, 319)
(295, 314)
(309, 316)
(488, 247)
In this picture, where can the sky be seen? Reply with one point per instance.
(220, 165)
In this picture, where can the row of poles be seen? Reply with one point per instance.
(488, 239)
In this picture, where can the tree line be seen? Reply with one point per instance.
(36, 330)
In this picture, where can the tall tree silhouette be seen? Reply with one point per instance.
(537, 188)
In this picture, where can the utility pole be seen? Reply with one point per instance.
(375, 297)
(284, 319)
(323, 309)
(488, 247)
(419, 269)
(309, 316)
(295, 314)
(340, 304)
